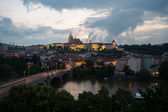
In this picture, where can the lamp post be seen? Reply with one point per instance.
(24, 77)
(48, 77)
(45, 67)
(46, 70)
(56, 66)
(28, 69)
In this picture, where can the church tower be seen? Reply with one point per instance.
(70, 38)
(114, 45)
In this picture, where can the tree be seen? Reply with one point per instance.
(123, 100)
(42, 99)
(100, 63)
(100, 102)
(86, 102)
(127, 70)
(24, 98)
(89, 63)
(155, 99)
(144, 75)
(51, 47)
(164, 70)
(64, 102)
(19, 99)
(103, 96)
(35, 59)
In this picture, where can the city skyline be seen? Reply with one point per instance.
(32, 22)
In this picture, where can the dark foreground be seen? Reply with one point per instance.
(25, 98)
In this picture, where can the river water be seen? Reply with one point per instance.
(77, 86)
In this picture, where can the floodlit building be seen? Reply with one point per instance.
(76, 44)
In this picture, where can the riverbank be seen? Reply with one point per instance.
(133, 78)
(120, 78)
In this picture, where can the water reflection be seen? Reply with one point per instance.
(75, 87)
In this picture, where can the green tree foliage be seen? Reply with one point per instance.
(88, 70)
(123, 100)
(64, 102)
(155, 100)
(144, 75)
(36, 59)
(87, 102)
(19, 100)
(42, 99)
(100, 63)
(25, 98)
(147, 49)
(13, 67)
(99, 72)
(127, 70)
(164, 70)
(51, 47)
(89, 63)
(100, 102)
(105, 99)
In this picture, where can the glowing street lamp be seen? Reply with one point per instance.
(24, 72)
(29, 66)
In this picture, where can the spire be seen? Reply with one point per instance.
(70, 38)
(70, 34)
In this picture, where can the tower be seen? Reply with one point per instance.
(114, 44)
(70, 38)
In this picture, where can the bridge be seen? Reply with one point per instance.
(35, 79)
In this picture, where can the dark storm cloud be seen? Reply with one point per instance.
(7, 29)
(126, 14)
(151, 5)
(60, 4)
(119, 20)
(27, 36)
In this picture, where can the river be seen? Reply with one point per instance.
(77, 86)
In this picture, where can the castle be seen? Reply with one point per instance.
(76, 44)
(73, 40)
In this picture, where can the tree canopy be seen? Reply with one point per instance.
(24, 98)
(164, 70)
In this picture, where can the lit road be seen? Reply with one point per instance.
(28, 80)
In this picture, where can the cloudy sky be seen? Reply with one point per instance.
(30, 22)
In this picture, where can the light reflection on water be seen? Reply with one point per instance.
(75, 87)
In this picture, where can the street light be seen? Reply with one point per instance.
(28, 66)
(48, 77)
(56, 65)
(45, 67)
(24, 76)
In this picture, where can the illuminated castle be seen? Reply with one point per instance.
(77, 44)
(73, 40)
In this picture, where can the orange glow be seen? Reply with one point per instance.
(79, 63)
(130, 85)
(114, 62)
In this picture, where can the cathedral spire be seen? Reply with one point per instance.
(70, 38)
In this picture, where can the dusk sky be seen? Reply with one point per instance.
(31, 22)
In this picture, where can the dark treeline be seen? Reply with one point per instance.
(114, 53)
(88, 70)
(147, 49)
(14, 67)
(25, 98)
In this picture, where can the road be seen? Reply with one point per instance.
(28, 80)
